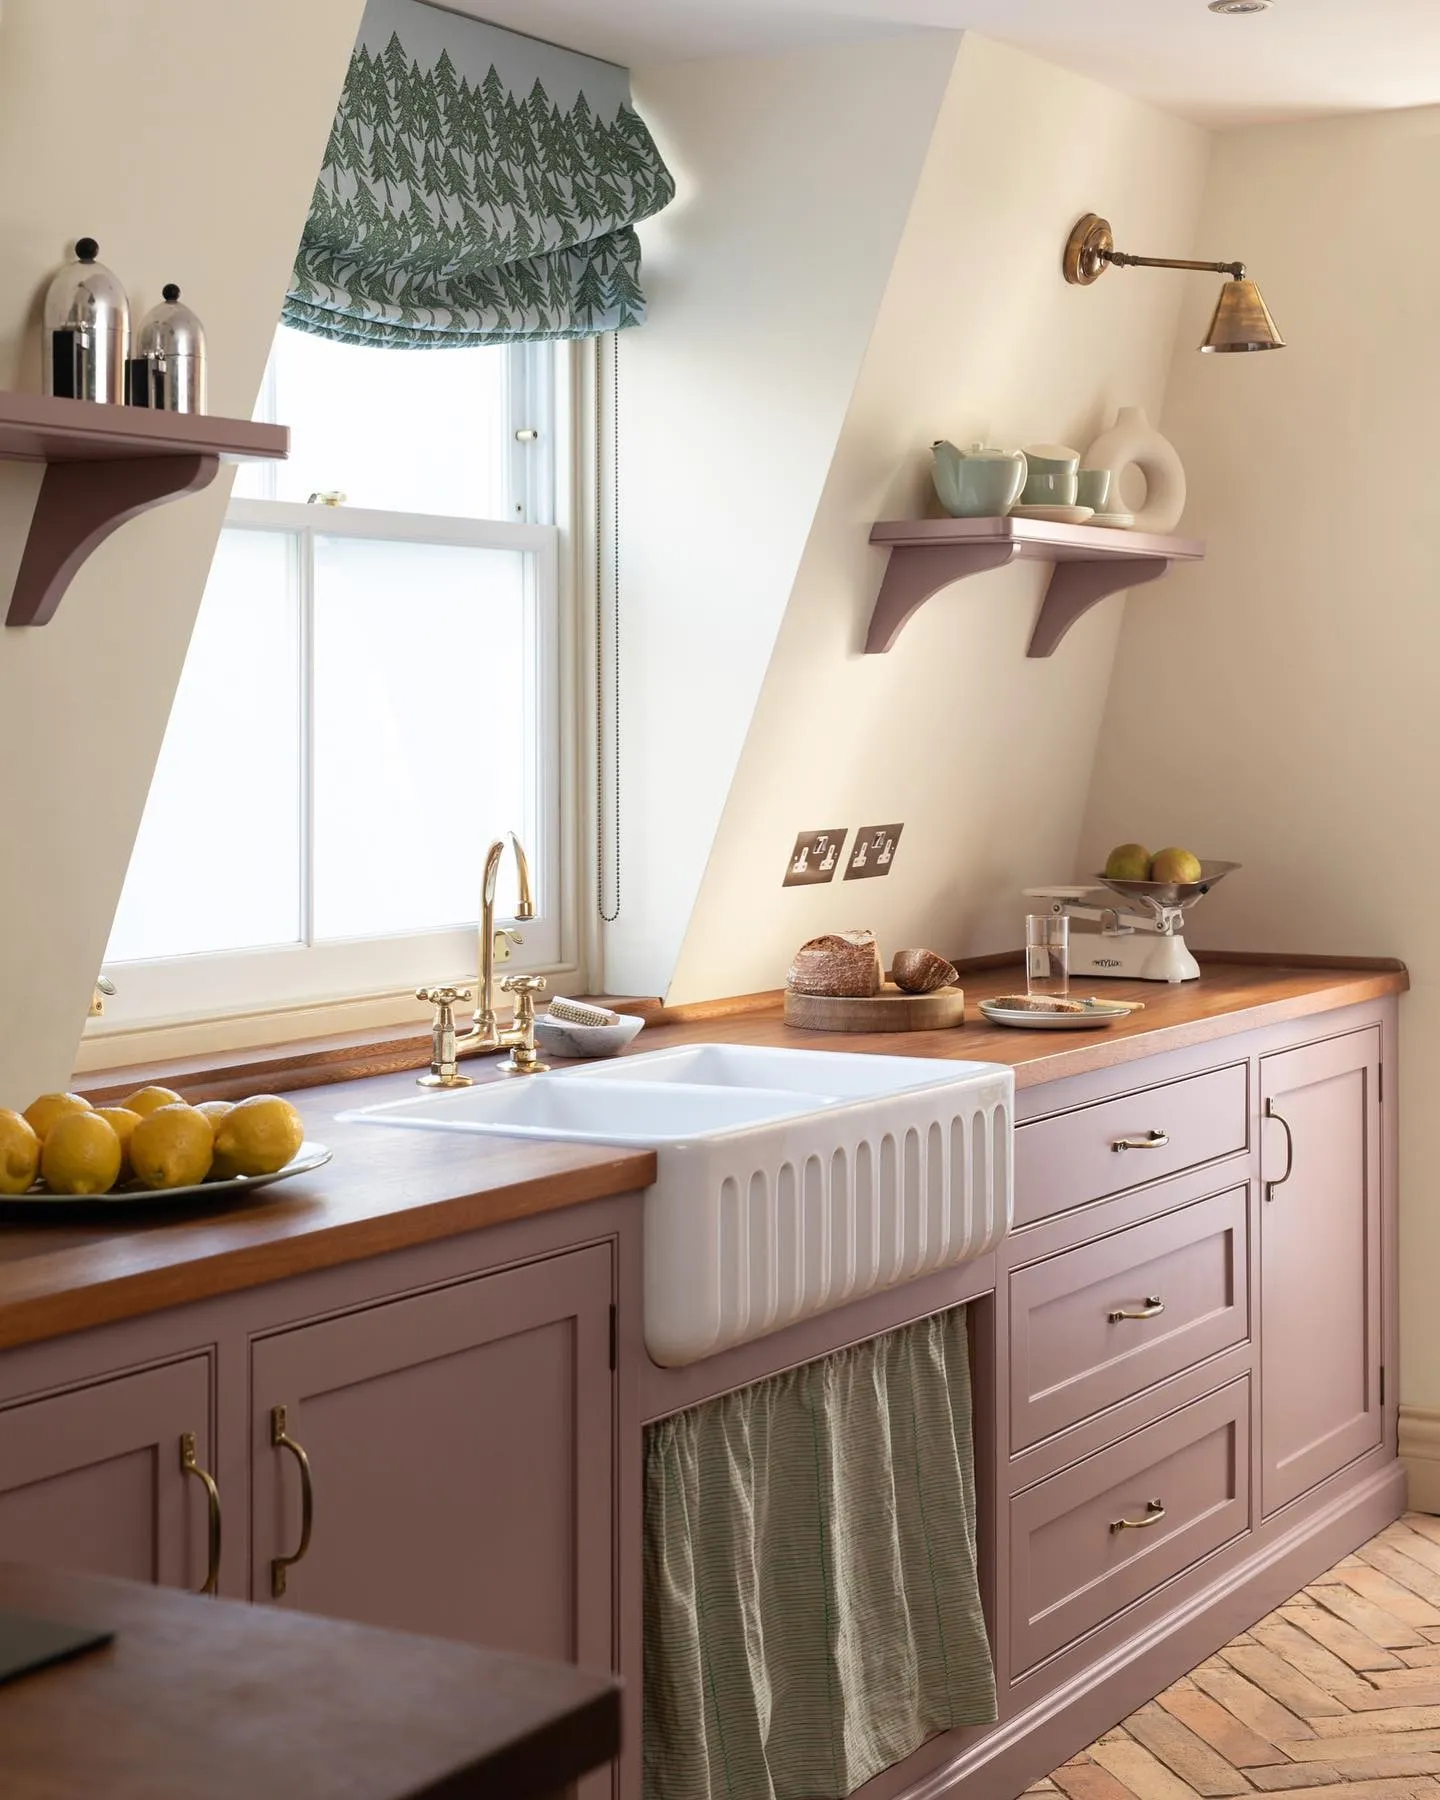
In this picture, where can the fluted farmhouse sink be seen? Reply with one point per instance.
(790, 1182)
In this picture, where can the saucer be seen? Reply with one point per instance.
(1055, 515)
(1119, 521)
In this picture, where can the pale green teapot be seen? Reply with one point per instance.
(978, 483)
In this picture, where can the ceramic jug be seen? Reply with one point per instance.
(979, 483)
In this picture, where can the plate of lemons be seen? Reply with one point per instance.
(152, 1147)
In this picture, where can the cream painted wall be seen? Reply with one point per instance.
(983, 754)
(795, 177)
(1280, 703)
(187, 142)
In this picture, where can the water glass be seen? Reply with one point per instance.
(1047, 955)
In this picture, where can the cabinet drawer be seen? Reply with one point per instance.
(1070, 1356)
(1073, 1565)
(1103, 1149)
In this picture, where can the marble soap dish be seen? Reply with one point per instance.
(573, 1028)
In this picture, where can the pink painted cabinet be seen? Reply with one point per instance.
(92, 1478)
(454, 1452)
(1320, 1262)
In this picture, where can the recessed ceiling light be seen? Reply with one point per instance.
(1240, 6)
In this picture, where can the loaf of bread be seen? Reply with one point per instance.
(844, 962)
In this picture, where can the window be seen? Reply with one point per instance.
(372, 693)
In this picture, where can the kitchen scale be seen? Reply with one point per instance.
(1141, 940)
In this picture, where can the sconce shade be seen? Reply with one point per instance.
(1242, 321)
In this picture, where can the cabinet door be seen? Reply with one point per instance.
(92, 1479)
(1319, 1262)
(459, 1445)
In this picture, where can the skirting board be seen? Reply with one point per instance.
(1420, 1453)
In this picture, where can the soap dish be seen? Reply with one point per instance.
(558, 1037)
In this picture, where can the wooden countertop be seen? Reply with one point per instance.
(234, 1701)
(386, 1190)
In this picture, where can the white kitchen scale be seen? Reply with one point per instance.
(1141, 940)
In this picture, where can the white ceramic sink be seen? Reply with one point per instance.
(790, 1181)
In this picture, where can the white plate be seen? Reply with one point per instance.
(1101, 1013)
(1117, 521)
(40, 1201)
(1055, 515)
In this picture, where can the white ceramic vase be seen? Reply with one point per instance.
(1133, 442)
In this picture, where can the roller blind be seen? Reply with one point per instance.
(478, 187)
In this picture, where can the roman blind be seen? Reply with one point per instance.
(478, 187)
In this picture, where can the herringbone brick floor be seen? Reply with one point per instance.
(1335, 1696)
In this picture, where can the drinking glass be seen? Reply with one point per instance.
(1047, 955)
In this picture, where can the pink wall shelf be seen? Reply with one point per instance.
(1090, 564)
(104, 465)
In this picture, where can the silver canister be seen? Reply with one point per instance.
(86, 330)
(167, 370)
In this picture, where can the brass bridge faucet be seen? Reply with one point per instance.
(449, 1045)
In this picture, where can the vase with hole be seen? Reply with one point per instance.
(1133, 442)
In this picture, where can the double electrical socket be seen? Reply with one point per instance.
(817, 855)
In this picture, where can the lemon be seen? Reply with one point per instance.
(19, 1152)
(81, 1155)
(41, 1114)
(1175, 865)
(147, 1100)
(1128, 862)
(257, 1137)
(172, 1147)
(215, 1111)
(122, 1122)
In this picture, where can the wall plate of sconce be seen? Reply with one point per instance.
(873, 854)
(815, 858)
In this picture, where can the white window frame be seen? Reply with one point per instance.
(285, 988)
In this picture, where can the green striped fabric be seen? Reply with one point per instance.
(812, 1612)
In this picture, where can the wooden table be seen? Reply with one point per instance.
(202, 1699)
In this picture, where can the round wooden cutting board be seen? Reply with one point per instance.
(889, 1010)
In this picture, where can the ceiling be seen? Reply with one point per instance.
(1304, 57)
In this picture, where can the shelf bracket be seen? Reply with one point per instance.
(916, 571)
(79, 505)
(1077, 586)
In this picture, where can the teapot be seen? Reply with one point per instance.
(978, 483)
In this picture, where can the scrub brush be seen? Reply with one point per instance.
(579, 1012)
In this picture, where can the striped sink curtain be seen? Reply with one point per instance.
(812, 1608)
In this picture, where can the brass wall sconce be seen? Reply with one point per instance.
(1242, 320)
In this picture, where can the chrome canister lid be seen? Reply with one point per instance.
(170, 329)
(84, 293)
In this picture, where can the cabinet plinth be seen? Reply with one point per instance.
(104, 465)
(1090, 564)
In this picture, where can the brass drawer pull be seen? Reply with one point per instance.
(190, 1466)
(1152, 1309)
(1154, 1513)
(283, 1441)
(1270, 1186)
(1152, 1140)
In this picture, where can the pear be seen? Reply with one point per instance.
(1128, 862)
(1175, 865)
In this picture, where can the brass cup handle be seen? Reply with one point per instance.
(1152, 1309)
(190, 1466)
(1270, 1186)
(1154, 1513)
(1152, 1140)
(280, 1438)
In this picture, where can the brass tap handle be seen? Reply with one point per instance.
(444, 1057)
(522, 1059)
(190, 1466)
(442, 996)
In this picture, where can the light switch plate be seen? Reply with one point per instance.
(815, 858)
(874, 852)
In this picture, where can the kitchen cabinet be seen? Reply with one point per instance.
(458, 1449)
(1320, 1270)
(92, 1479)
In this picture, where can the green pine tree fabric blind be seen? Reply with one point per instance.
(812, 1602)
(478, 187)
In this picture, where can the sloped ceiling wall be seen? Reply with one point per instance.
(185, 139)
(984, 755)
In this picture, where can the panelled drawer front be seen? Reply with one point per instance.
(1071, 1357)
(1073, 1565)
(1112, 1145)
